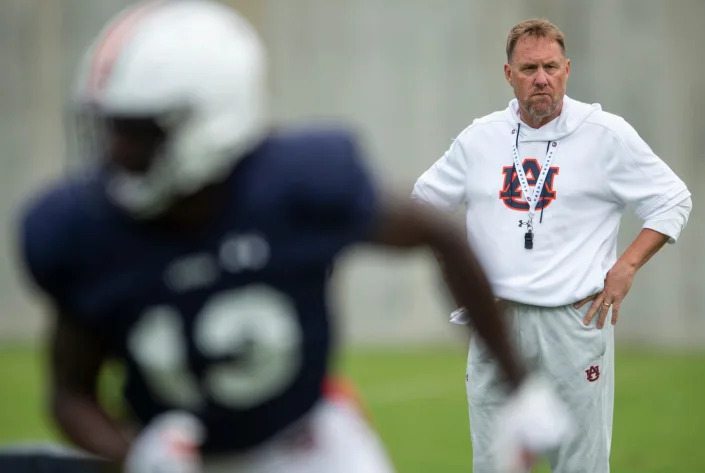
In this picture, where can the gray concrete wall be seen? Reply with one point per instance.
(408, 75)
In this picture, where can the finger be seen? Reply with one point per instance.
(593, 310)
(582, 302)
(615, 312)
(604, 310)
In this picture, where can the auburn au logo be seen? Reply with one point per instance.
(511, 193)
(593, 373)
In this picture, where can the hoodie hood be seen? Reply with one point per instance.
(572, 115)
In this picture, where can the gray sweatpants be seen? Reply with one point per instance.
(578, 360)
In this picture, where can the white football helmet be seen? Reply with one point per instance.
(199, 69)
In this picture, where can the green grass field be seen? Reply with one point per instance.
(417, 402)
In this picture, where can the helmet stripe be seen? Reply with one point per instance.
(113, 42)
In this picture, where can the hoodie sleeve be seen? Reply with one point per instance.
(672, 221)
(640, 178)
(443, 184)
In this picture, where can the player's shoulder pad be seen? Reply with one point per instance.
(302, 153)
(313, 142)
(47, 225)
(52, 207)
(320, 168)
(317, 133)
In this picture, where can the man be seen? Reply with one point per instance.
(545, 183)
(196, 249)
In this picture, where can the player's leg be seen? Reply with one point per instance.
(353, 444)
(335, 436)
(580, 361)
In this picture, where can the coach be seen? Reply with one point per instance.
(545, 183)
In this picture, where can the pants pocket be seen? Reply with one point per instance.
(593, 339)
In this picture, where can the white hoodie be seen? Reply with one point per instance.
(600, 166)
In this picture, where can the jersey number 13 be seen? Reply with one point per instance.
(253, 329)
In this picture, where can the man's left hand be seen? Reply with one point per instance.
(617, 285)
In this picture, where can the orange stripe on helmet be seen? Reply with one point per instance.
(113, 42)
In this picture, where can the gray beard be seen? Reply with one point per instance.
(539, 115)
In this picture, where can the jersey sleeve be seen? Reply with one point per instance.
(334, 194)
(443, 184)
(638, 177)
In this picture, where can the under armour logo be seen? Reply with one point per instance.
(593, 373)
(522, 223)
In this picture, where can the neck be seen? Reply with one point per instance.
(194, 213)
(538, 122)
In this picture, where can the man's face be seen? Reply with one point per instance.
(538, 74)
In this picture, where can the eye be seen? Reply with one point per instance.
(528, 68)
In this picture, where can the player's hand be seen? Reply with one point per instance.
(617, 285)
(533, 421)
(170, 443)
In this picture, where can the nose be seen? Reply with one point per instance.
(541, 78)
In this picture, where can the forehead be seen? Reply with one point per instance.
(536, 49)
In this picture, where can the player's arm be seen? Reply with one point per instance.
(404, 223)
(169, 443)
(76, 357)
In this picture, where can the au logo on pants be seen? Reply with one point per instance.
(593, 373)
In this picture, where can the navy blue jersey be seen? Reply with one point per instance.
(231, 322)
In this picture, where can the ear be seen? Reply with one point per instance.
(567, 68)
(508, 73)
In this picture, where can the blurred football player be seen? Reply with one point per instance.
(195, 250)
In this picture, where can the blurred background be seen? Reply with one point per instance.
(409, 75)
